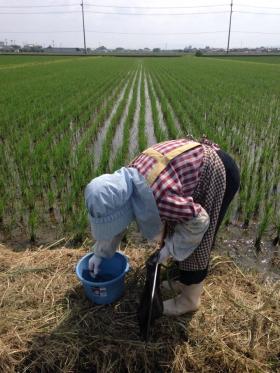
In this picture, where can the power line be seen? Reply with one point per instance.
(115, 13)
(114, 32)
(261, 13)
(155, 7)
(35, 6)
(156, 33)
(156, 14)
(139, 14)
(40, 32)
(132, 7)
(141, 33)
(28, 13)
(110, 6)
(135, 7)
(255, 6)
(255, 32)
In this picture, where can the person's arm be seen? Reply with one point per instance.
(186, 238)
(178, 208)
(107, 248)
(103, 249)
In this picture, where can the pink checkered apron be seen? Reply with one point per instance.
(209, 194)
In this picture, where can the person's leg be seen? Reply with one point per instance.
(232, 183)
(187, 301)
(232, 186)
(192, 281)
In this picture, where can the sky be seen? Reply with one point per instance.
(135, 24)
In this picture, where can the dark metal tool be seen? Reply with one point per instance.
(151, 305)
(152, 300)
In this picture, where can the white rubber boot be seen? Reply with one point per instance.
(172, 285)
(187, 301)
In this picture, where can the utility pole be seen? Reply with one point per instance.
(83, 16)
(229, 29)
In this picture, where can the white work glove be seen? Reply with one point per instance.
(93, 264)
(163, 254)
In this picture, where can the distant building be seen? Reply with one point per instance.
(101, 49)
(62, 50)
(120, 49)
(32, 48)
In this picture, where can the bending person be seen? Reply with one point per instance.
(185, 183)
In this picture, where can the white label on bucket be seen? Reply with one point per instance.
(101, 292)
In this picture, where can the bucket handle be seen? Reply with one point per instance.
(127, 268)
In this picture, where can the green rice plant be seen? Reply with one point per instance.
(33, 223)
(263, 225)
(142, 137)
(253, 193)
(105, 155)
(159, 132)
(121, 155)
(51, 199)
(46, 143)
(168, 118)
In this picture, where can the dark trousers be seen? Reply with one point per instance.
(232, 186)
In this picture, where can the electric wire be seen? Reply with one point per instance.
(260, 13)
(133, 7)
(36, 6)
(255, 6)
(154, 7)
(156, 14)
(42, 13)
(140, 14)
(141, 33)
(110, 6)
(133, 13)
(114, 13)
(119, 33)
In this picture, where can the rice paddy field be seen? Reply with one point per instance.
(65, 120)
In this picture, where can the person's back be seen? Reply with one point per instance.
(177, 181)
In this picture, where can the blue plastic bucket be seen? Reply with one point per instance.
(104, 292)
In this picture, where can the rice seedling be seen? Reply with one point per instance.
(159, 132)
(59, 119)
(142, 137)
(48, 144)
(168, 118)
(105, 155)
(263, 225)
(121, 156)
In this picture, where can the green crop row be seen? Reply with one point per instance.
(61, 117)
